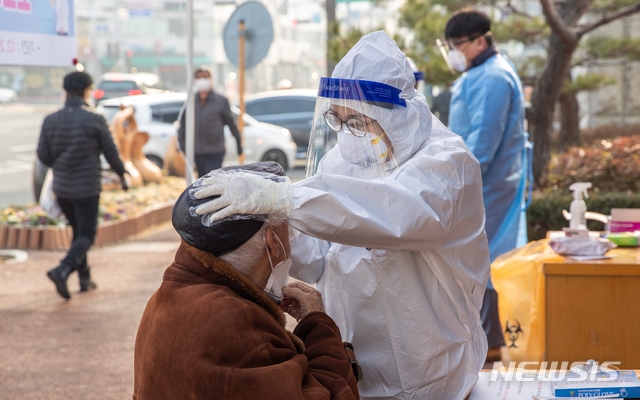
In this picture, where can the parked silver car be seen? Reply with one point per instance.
(156, 114)
(292, 109)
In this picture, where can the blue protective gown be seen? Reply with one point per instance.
(487, 110)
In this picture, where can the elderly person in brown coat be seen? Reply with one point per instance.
(214, 329)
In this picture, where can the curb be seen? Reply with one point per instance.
(54, 238)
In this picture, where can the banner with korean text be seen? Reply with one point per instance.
(37, 32)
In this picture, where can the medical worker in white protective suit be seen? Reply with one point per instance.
(391, 227)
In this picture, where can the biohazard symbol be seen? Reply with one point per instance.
(514, 330)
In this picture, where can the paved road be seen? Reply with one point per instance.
(83, 348)
(19, 130)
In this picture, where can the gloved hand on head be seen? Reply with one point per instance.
(243, 192)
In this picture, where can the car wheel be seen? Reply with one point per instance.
(156, 160)
(277, 156)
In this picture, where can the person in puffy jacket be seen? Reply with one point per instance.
(70, 143)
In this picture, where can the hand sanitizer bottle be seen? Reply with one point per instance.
(578, 206)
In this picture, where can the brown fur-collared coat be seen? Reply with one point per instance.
(209, 332)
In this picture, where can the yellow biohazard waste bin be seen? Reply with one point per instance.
(519, 280)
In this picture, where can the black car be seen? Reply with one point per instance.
(292, 109)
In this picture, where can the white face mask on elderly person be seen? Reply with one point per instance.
(279, 275)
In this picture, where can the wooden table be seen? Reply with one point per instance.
(593, 309)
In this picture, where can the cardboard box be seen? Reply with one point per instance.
(625, 220)
(625, 384)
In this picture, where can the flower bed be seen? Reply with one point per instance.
(121, 215)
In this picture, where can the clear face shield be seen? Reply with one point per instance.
(347, 117)
(444, 48)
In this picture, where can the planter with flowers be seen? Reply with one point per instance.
(121, 215)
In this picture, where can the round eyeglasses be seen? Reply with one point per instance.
(357, 126)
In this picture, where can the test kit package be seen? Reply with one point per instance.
(624, 220)
(624, 384)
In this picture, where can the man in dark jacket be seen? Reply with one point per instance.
(214, 330)
(71, 141)
(212, 113)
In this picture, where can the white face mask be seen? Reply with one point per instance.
(202, 85)
(279, 275)
(457, 60)
(364, 151)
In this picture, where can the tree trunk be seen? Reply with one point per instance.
(570, 121)
(547, 90)
(543, 101)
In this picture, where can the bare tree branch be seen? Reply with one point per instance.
(512, 10)
(556, 23)
(584, 60)
(632, 9)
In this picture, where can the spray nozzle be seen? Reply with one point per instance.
(580, 189)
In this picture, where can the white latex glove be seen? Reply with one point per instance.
(243, 192)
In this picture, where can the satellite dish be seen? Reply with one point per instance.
(258, 33)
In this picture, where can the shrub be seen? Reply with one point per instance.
(593, 136)
(610, 165)
(545, 212)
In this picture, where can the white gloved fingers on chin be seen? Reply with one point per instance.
(213, 205)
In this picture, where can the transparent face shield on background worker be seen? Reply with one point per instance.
(349, 117)
(444, 52)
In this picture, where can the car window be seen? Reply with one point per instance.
(262, 107)
(117, 86)
(167, 113)
(298, 105)
(280, 106)
(110, 111)
(248, 119)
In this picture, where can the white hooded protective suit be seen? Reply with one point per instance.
(402, 261)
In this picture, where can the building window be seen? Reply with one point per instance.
(175, 6)
(176, 27)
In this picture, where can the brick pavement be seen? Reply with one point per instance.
(83, 348)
